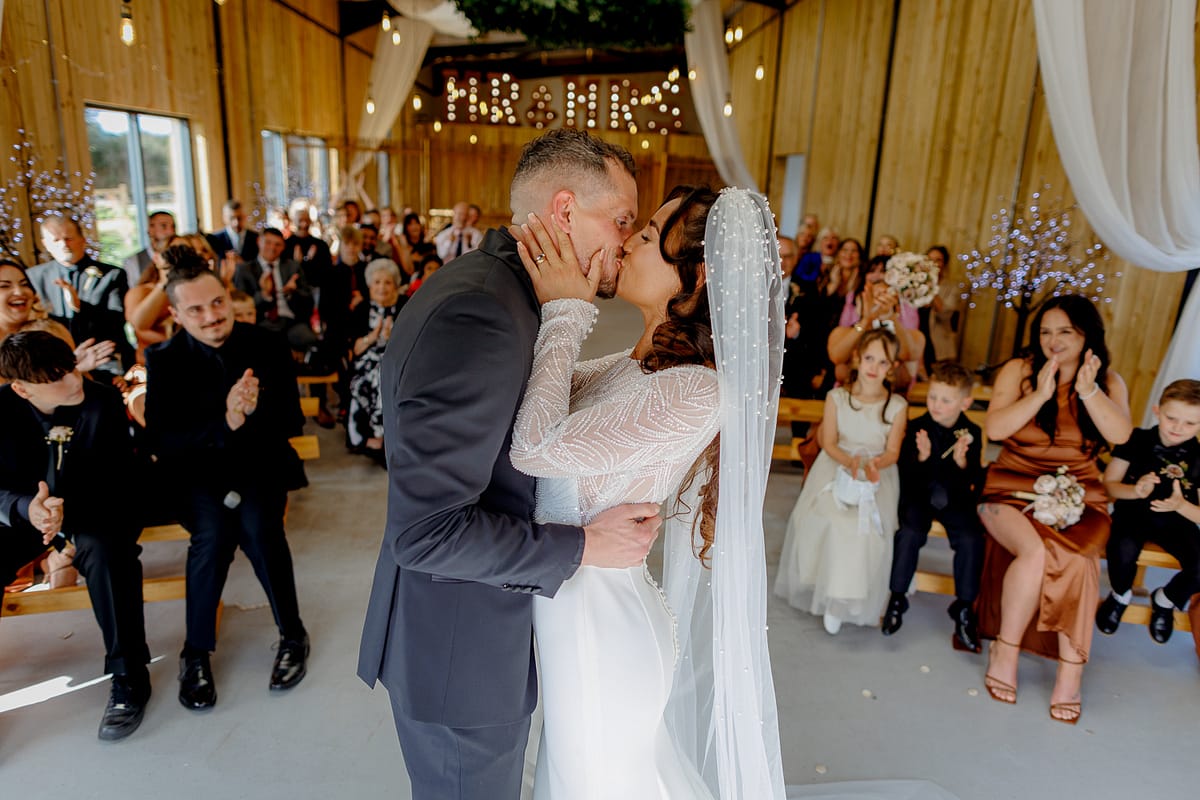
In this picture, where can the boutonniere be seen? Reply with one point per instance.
(60, 435)
(91, 275)
(961, 433)
(1177, 472)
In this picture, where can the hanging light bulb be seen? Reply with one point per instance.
(371, 104)
(395, 37)
(759, 72)
(729, 36)
(728, 109)
(437, 126)
(386, 23)
(220, 2)
(691, 74)
(127, 34)
(416, 102)
(737, 33)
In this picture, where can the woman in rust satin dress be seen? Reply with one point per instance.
(1056, 407)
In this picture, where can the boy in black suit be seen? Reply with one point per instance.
(941, 474)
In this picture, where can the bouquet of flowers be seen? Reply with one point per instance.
(914, 277)
(1057, 499)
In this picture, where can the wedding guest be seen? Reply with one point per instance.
(1153, 478)
(457, 237)
(146, 308)
(371, 326)
(807, 370)
(84, 295)
(813, 265)
(941, 473)
(943, 316)
(806, 237)
(161, 229)
(413, 246)
(887, 245)
(338, 293)
(244, 309)
(307, 250)
(370, 244)
(429, 265)
(280, 290)
(234, 237)
(221, 405)
(1053, 408)
(65, 455)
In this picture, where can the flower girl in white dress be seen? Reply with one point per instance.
(838, 549)
(637, 425)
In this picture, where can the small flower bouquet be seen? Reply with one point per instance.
(61, 436)
(1057, 499)
(914, 277)
(961, 433)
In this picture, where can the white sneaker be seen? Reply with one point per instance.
(832, 624)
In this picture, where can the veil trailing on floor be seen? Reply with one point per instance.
(722, 710)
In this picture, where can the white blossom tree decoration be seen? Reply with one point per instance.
(35, 194)
(1034, 255)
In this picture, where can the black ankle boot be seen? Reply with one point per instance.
(893, 618)
(966, 629)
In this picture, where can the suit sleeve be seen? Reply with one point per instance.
(456, 398)
(174, 424)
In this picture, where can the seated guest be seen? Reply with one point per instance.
(372, 325)
(807, 371)
(380, 246)
(84, 295)
(458, 237)
(280, 291)
(413, 247)
(161, 227)
(813, 265)
(369, 251)
(874, 304)
(221, 404)
(19, 310)
(944, 314)
(234, 239)
(429, 265)
(307, 250)
(1153, 478)
(887, 245)
(1053, 408)
(146, 308)
(65, 455)
(941, 473)
(244, 309)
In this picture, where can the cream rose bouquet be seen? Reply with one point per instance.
(913, 276)
(1056, 499)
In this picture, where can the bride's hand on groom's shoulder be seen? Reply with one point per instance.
(620, 537)
(549, 258)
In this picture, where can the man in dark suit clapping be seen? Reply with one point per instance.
(280, 290)
(221, 404)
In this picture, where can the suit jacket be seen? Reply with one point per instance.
(101, 289)
(222, 244)
(918, 477)
(98, 465)
(246, 279)
(449, 624)
(187, 383)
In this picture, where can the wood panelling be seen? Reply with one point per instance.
(754, 100)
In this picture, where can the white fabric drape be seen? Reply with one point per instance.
(1120, 88)
(705, 46)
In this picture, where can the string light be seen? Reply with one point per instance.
(395, 37)
(729, 36)
(386, 22)
(416, 102)
(728, 109)
(759, 72)
(437, 126)
(127, 33)
(370, 104)
(737, 33)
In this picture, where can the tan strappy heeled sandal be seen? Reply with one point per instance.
(995, 686)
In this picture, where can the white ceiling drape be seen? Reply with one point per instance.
(1120, 88)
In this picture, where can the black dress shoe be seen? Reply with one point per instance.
(1162, 621)
(893, 618)
(966, 631)
(1108, 615)
(126, 706)
(290, 664)
(197, 690)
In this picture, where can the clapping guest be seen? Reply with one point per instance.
(84, 295)
(813, 265)
(413, 246)
(372, 324)
(65, 455)
(302, 246)
(146, 308)
(221, 405)
(807, 369)
(458, 237)
(280, 290)
(1054, 408)
(234, 238)
(161, 228)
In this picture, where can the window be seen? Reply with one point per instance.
(143, 164)
(296, 167)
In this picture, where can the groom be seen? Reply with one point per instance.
(449, 624)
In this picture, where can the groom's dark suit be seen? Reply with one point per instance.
(449, 625)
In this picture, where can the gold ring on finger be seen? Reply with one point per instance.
(539, 258)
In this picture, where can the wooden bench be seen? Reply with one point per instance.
(310, 406)
(918, 393)
(74, 598)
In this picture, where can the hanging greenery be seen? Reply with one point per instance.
(556, 24)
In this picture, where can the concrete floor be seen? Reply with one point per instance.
(852, 707)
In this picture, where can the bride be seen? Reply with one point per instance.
(650, 693)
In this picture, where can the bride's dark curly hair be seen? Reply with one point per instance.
(686, 336)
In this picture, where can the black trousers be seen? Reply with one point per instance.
(463, 763)
(256, 526)
(113, 571)
(965, 533)
(1178, 536)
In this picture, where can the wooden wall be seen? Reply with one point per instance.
(964, 133)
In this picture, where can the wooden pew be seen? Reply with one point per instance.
(73, 598)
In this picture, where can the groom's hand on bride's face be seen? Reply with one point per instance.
(620, 537)
(549, 258)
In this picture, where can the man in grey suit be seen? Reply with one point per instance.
(449, 624)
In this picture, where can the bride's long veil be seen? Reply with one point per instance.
(722, 710)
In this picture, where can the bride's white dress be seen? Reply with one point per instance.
(598, 434)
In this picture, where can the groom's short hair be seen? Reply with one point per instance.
(565, 158)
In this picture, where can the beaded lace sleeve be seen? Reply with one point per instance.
(657, 418)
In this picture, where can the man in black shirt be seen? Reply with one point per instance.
(66, 457)
(221, 404)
